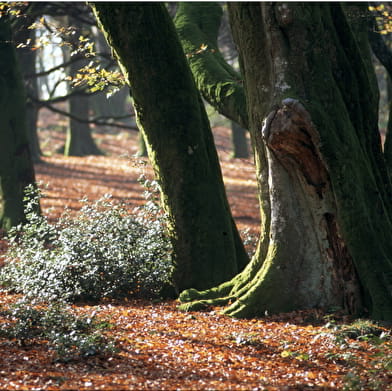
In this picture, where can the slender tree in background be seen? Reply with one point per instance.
(43, 22)
(179, 141)
(79, 140)
(383, 52)
(239, 141)
(16, 167)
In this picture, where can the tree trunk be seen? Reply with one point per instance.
(324, 192)
(16, 167)
(388, 135)
(239, 141)
(171, 115)
(79, 140)
(218, 82)
(27, 60)
(384, 55)
(142, 148)
(221, 86)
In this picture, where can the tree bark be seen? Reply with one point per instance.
(172, 118)
(16, 167)
(79, 141)
(221, 86)
(384, 55)
(27, 60)
(388, 140)
(142, 148)
(325, 196)
(239, 141)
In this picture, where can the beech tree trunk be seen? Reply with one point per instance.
(325, 195)
(221, 86)
(384, 54)
(142, 148)
(239, 141)
(388, 141)
(16, 166)
(198, 27)
(172, 118)
(27, 59)
(79, 141)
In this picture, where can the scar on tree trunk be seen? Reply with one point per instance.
(271, 280)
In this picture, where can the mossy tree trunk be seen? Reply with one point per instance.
(324, 193)
(198, 27)
(221, 86)
(172, 118)
(16, 167)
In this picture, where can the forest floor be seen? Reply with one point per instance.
(161, 348)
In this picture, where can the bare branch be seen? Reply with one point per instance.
(96, 121)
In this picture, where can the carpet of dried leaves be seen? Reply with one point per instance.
(161, 348)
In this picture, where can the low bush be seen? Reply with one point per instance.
(71, 337)
(102, 252)
(379, 339)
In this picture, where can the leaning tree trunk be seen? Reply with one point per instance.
(198, 27)
(221, 86)
(16, 167)
(171, 115)
(324, 191)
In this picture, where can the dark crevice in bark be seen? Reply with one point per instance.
(343, 266)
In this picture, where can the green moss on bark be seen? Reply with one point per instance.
(197, 27)
(172, 118)
(316, 96)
